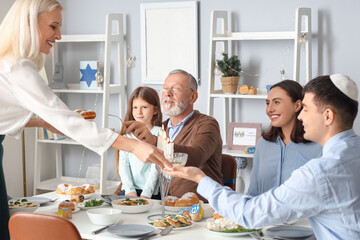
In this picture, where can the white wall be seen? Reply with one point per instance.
(335, 50)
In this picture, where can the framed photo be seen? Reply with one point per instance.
(243, 136)
(169, 39)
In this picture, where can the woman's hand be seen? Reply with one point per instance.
(39, 122)
(140, 131)
(143, 151)
(150, 154)
(190, 173)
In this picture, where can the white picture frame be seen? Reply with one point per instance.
(169, 39)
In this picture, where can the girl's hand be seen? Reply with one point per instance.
(133, 194)
(190, 173)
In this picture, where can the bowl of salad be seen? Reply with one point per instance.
(90, 204)
(132, 205)
(22, 205)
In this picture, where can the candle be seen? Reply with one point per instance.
(165, 144)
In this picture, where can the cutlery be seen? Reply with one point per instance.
(103, 228)
(163, 232)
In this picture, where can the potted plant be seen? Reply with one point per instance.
(230, 69)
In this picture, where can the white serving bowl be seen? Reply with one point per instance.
(104, 216)
(134, 208)
(23, 208)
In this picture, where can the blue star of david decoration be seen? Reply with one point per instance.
(88, 75)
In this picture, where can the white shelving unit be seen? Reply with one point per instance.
(113, 35)
(221, 33)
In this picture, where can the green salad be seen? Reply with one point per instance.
(93, 203)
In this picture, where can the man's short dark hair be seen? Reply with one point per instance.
(327, 95)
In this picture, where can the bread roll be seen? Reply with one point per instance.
(244, 89)
(252, 91)
(67, 204)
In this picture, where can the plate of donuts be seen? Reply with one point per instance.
(68, 197)
(65, 191)
(175, 204)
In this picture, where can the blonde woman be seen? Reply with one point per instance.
(27, 33)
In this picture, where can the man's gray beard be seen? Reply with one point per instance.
(176, 110)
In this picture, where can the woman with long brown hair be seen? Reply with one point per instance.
(282, 148)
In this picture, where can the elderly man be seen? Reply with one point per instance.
(325, 190)
(193, 133)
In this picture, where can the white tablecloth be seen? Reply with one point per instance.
(85, 227)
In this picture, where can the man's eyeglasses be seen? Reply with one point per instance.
(174, 90)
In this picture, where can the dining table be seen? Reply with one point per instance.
(85, 227)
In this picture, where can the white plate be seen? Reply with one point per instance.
(234, 234)
(68, 197)
(290, 232)
(132, 209)
(177, 228)
(82, 206)
(40, 200)
(177, 209)
(131, 230)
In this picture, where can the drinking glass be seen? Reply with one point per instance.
(93, 175)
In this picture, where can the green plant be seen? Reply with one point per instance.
(229, 66)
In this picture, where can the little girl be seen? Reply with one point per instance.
(138, 178)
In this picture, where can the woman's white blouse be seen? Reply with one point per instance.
(23, 92)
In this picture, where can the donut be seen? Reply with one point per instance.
(88, 188)
(63, 188)
(67, 204)
(89, 114)
(75, 190)
(170, 200)
(187, 200)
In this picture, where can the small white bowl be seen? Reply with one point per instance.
(104, 216)
(24, 208)
(133, 208)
